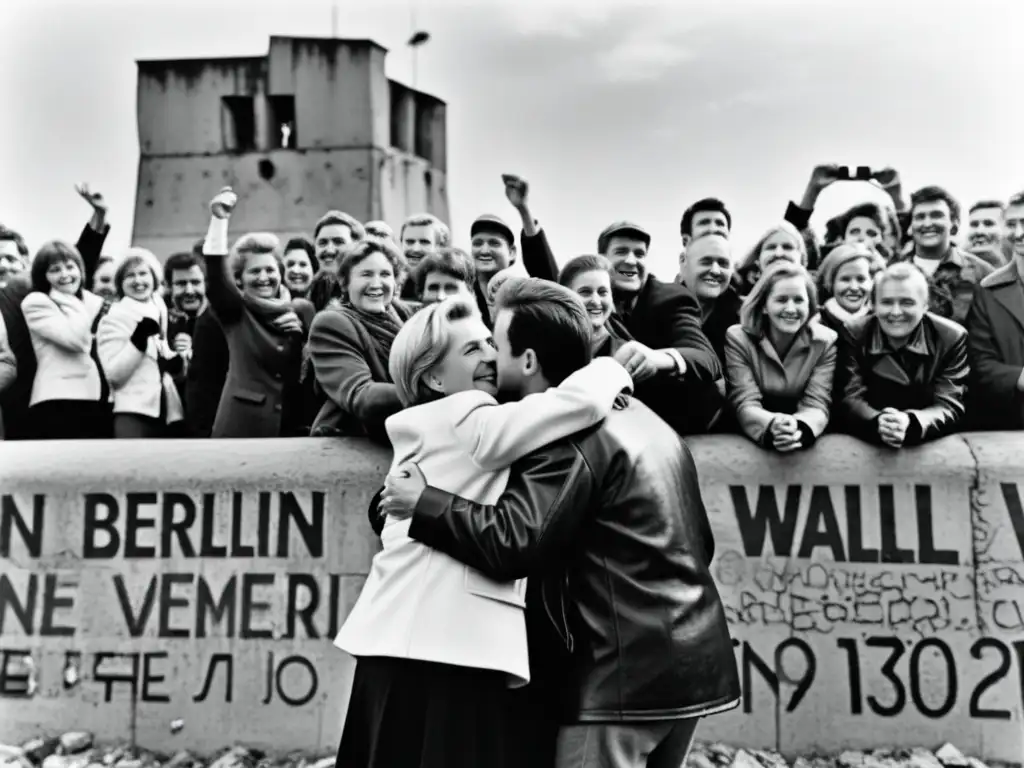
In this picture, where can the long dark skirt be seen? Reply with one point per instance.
(71, 420)
(406, 713)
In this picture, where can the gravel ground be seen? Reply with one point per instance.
(76, 749)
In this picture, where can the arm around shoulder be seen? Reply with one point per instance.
(499, 435)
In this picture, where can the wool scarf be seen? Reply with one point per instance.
(836, 310)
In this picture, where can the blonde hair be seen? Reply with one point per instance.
(752, 258)
(901, 272)
(421, 344)
(133, 258)
(842, 255)
(752, 314)
(255, 244)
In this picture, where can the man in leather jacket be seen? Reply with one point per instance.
(627, 628)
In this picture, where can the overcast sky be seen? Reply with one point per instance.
(611, 109)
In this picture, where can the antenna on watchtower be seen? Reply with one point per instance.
(419, 37)
(334, 19)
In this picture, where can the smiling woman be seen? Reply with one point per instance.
(264, 329)
(349, 345)
(779, 364)
(67, 400)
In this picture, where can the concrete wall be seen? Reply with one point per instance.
(875, 597)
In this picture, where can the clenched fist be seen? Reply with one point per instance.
(223, 203)
(517, 190)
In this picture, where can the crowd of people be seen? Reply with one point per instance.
(901, 324)
(543, 594)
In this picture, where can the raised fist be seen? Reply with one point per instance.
(516, 189)
(223, 203)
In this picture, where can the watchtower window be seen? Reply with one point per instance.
(400, 117)
(281, 115)
(238, 118)
(424, 130)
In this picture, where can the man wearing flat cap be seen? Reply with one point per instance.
(493, 247)
(670, 358)
(676, 371)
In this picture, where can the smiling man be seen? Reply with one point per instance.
(493, 247)
(670, 358)
(13, 254)
(995, 341)
(706, 268)
(952, 273)
(907, 367)
(422, 235)
(334, 232)
(986, 232)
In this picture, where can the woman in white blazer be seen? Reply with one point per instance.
(132, 346)
(438, 644)
(68, 400)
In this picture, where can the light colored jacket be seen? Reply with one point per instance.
(418, 603)
(8, 363)
(61, 330)
(134, 376)
(8, 367)
(760, 382)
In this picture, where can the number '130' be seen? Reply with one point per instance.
(897, 701)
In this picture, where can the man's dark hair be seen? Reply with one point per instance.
(182, 261)
(986, 204)
(14, 237)
(1017, 199)
(549, 319)
(340, 217)
(454, 262)
(934, 194)
(707, 204)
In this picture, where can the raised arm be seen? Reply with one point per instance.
(546, 499)
(538, 259)
(94, 233)
(221, 291)
(499, 435)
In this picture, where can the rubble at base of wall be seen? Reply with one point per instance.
(77, 750)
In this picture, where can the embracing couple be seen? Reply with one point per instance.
(543, 596)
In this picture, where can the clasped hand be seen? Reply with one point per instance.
(402, 490)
